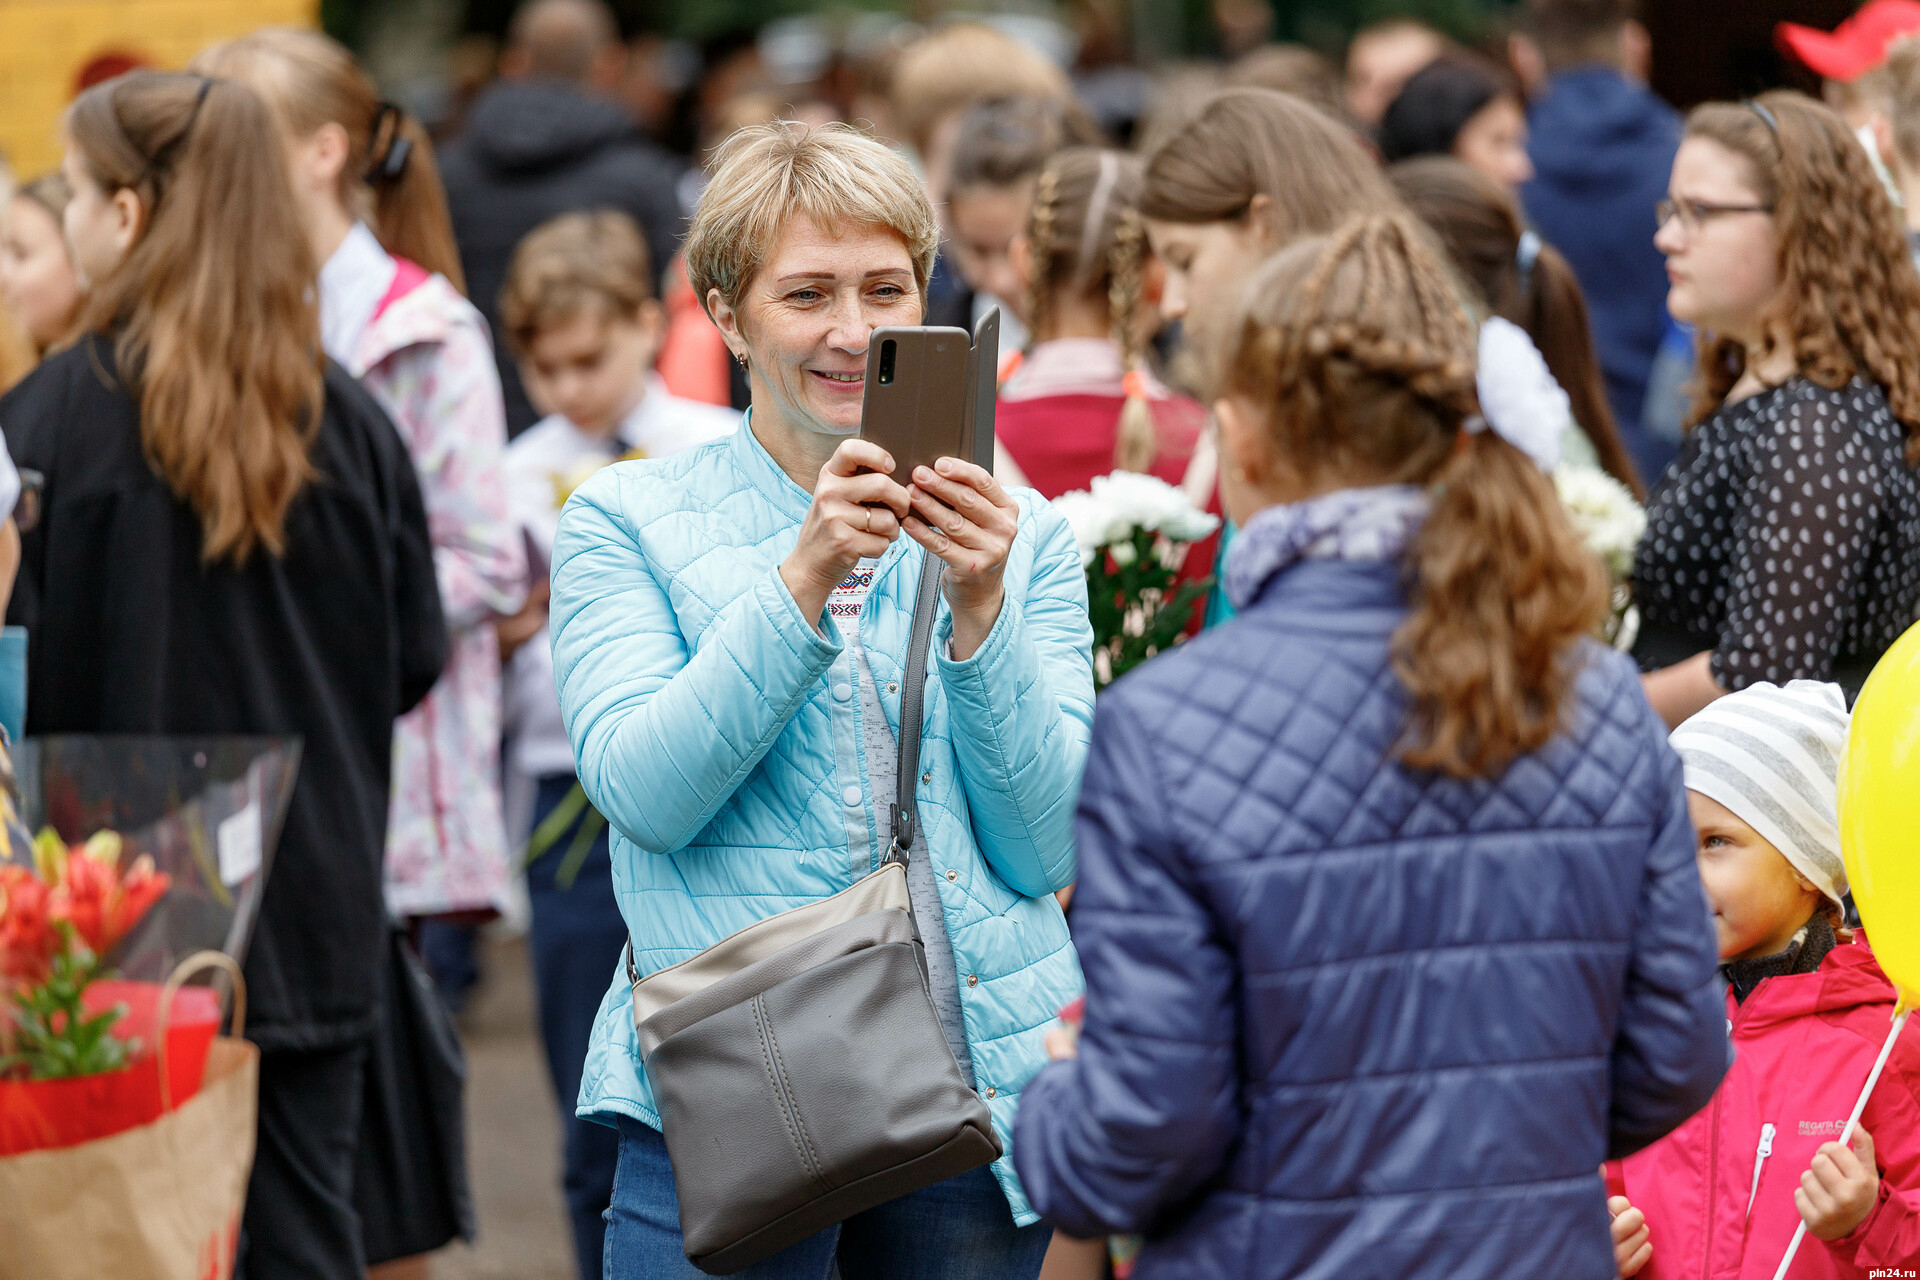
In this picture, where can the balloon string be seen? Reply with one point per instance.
(1846, 1134)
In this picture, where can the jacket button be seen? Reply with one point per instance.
(971, 980)
(953, 875)
(893, 686)
(851, 796)
(927, 777)
(991, 1091)
(843, 691)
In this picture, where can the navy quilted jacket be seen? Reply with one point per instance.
(1347, 1019)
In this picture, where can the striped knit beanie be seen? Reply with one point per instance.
(1771, 755)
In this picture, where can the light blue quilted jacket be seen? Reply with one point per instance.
(715, 729)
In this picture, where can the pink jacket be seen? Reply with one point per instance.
(1804, 1045)
(427, 358)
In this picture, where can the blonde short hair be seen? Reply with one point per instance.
(768, 174)
(966, 63)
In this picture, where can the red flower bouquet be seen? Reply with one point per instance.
(58, 922)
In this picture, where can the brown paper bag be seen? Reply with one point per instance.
(160, 1201)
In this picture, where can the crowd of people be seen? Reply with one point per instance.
(1390, 925)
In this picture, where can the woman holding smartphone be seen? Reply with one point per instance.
(730, 628)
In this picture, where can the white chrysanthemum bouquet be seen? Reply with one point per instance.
(1610, 522)
(1134, 531)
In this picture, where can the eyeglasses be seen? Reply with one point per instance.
(1692, 213)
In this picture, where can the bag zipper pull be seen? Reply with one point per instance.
(1759, 1160)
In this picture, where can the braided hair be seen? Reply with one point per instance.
(1087, 236)
(1357, 353)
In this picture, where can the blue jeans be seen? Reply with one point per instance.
(576, 937)
(960, 1229)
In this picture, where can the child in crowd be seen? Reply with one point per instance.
(579, 312)
(392, 314)
(1081, 402)
(1003, 145)
(38, 282)
(1387, 904)
(1809, 1011)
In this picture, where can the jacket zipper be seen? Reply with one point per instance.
(1713, 1150)
(1759, 1162)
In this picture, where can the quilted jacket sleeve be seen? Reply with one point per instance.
(662, 737)
(1021, 707)
(1150, 1107)
(1671, 1048)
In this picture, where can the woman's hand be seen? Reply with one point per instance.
(1632, 1240)
(855, 515)
(967, 518)
(1837, 1193)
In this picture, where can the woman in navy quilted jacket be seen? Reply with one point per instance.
(1387, 903)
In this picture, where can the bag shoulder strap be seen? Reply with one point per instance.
(913, 690)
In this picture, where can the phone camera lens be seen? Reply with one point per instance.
(888, 350)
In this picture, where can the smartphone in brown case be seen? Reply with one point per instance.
(930, 393)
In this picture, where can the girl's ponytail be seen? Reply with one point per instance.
(390, 179)
(1502, 589)
(1358, 352)
(211, 312)
(1556, 317)
(409, 205)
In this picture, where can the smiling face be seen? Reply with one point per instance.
(1758, 900)
(1494, 141)
(1723, 268)
(805, 318)
(37, 279)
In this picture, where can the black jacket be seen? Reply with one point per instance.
(130, 631)
(534, 150)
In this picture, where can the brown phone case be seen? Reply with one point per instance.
(930, 393)
(918, 390)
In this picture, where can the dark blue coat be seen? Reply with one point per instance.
(1346, 1019)
(1602, 148)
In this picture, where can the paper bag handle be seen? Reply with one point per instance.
(197, 963)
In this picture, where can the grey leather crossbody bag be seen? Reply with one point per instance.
(798, 1065)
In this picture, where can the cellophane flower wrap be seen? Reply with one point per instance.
(150, 849)
(1134, 531)
(1610, 522)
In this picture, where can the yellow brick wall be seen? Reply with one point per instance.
(45, 43)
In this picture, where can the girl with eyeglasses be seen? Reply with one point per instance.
(1784, 542)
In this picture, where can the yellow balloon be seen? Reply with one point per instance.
(1880, 813)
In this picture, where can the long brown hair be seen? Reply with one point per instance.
(1848, 295)
(390, 180)
(1087, 236)
(1250, 142)
(1527, 282)
(1358, 351)
(211, 311)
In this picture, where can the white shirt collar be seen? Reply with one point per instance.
(352, 283)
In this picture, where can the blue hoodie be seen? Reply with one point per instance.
(1602, 149)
